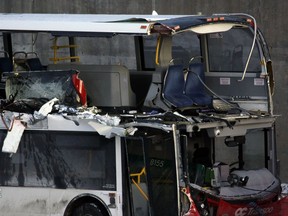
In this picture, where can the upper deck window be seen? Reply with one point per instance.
(229, 51)
(149, 47)
(117, 50)
(184, 47)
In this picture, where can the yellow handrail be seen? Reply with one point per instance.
(138, 176)
(140, 190)
(158, 50)
(56, 47)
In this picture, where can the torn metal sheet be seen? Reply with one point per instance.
(13, 137)
(58, 122)
(47, 107)
(163, 127)
(28, 119)
(198, 24)
(109, 131)
(103, 119)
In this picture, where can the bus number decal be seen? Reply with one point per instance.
(157, 163)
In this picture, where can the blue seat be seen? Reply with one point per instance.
(194, 88)
(5, 65)
(173, 88)
(34, 64)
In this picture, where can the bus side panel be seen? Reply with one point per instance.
(23, 201)
(61, 198)
(59, 166)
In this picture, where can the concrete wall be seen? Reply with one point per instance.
(270, 16)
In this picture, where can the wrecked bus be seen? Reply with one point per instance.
(137, 115)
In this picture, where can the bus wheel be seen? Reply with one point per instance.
(87, 209)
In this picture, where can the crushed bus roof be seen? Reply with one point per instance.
(61, 24)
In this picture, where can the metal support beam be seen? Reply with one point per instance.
(7, 41)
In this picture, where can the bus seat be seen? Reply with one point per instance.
(6, 64)
(173, 87)
(106, 85)
(194, 88)
(34, 64)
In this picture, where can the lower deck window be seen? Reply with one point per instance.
(60, 160)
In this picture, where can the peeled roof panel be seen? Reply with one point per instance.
(189, 22)
(105, 24)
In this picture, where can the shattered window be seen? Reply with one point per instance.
(36, 88)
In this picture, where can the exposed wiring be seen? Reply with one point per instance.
(256, 190)
(218, 96)
(5, 124)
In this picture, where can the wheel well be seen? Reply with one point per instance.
(86, 198)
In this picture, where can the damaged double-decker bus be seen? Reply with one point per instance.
(137, 115)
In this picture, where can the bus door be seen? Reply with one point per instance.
(138, 178)
(151, 161)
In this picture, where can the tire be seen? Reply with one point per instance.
(87, 209)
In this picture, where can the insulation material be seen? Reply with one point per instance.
(13, 137)
(47, 107)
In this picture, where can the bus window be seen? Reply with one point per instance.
(185, 47)
(101, 49)
(49, 160)
(149, 46)
(228, 51)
